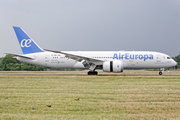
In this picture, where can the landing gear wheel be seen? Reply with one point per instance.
(92, 73)
(160, 73)
(95, 72)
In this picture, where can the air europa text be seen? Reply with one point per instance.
(128, 56)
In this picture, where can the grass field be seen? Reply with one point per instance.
(101, 97)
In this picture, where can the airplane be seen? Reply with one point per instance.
(108, 61)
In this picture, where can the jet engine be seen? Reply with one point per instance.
(113, 66)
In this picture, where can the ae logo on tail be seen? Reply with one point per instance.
(26, 43)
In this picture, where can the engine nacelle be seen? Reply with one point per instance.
(113, 66)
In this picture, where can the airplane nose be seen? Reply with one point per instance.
(175, 63)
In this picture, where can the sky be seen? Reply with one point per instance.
(92, 25)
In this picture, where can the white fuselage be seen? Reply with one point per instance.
(130, 59)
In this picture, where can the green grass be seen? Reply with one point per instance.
(101, 97)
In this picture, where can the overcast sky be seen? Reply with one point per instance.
(92, 25)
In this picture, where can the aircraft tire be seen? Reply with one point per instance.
(92, 73)
(160, 73)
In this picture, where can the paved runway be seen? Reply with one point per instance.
(101, 74)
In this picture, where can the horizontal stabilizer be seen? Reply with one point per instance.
(17, 55)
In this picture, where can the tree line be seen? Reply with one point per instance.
(177, 59)
(8, 63)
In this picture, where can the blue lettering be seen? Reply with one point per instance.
(115, 56)
(140, 56)
(151, 57)
(136, 56)
(122, 56)
(131, 57)
(127, 56)
(145, 57)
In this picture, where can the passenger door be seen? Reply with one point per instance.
(47, 57)
(158, 58)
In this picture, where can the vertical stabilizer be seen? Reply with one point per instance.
(27, 44)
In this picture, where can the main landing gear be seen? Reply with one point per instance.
(92, 73)
(160, 73)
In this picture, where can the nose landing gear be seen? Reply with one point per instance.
(160, 72)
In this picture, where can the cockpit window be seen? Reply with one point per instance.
(168, 58)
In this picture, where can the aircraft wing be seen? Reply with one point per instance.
(78, 57)
(17, 55)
